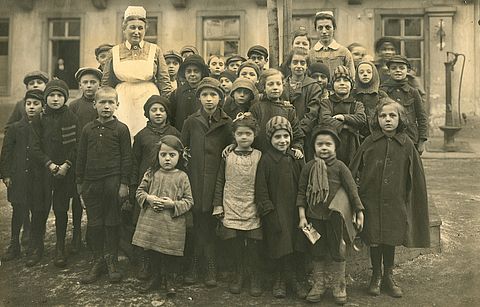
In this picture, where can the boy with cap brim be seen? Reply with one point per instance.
(101, 54)
(226, 79)
(54, 147)
(183, 101)
(344, 113)
(173, 60)
(206, 132)
(188, 50)
(88, 79)
(398, 88)
(19, 174)
(32, 80)
(233, 62)
(259, 55)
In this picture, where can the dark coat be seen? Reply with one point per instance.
(264, 111)
(369, 101)
(348, 130)
(306, 100)
(275, 195)
(232, 108)
(85, 111)
(145, 148)
(183, 103)
(16, 163)
(393, 191)
(206, 143)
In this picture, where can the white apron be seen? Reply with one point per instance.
(135, 87)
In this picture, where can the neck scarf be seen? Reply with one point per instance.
(317, 189)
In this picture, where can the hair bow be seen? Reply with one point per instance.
(242, 115)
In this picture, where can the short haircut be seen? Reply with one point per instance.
(268, 73)
(296, 51)
(301, 32)
(245, 120)
(215, 56)
(324, 17)
(106, 90)
(402, 115)
(353, 45)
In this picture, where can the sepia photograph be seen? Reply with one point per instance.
(239, 153)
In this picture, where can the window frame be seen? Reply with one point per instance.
(201, 15)
(150, 14)
(9, 59)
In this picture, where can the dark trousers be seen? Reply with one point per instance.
(58, 194)
(77, 212)
(102, 202)
(38, 227)
(20, 213)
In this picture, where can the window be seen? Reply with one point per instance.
(151, 35)
(221, 35)
(409, 31)
(64, 49)
(4, 47)
(305, 22)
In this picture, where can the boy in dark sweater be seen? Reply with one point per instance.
(88, 81)
(102, 176)
(18, 172)
(54, 147)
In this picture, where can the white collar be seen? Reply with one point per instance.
(129, 46)
(333, 45)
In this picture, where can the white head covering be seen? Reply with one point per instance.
(137, 11)
(324, 13)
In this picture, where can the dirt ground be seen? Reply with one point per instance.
(450, 278)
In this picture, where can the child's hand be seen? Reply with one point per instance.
(218, 212)
(123, 192)
(339, 117)
(53, 168)
(297, 153)
(167, 202)
(7, 182)
(303, 223)
(359, 218)
(62, 170)
(227, 150)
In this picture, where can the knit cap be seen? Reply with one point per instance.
(398, 59)
(246, 84)
(212, 83)
(173, 55)
(196, 60)
(277, 123)
(35, 94)
(230, 75)
(342, 71)
(37, 74)
(258, 49)
(153, 100)
(249, 63)
(56, 85)
(326, 129)
(318, 67)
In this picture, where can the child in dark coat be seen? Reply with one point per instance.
(392, 188)
(183, 101)
(398, 88)
(344, 113)
(275, 192)
(243, 95)
(145, 150)
(55, 148)
(206, 133)
(324, 182)
(103, 175)
(19, 174)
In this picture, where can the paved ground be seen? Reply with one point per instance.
(450, 278)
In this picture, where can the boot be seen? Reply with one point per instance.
(13, 250)
(297, 287)
(237, 281)
(155, 277)
(211, 273)
(389, 284)
(375, 283)
(114, 275)
(319, 288)
(152, 284)
(339, 283)
(145, 266)
(60, 260)
(170, 285)
(98, 269)
(279, 287)
(255, 284)
(36, 246)
(76, 244)
(191, 275)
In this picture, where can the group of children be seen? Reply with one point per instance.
(251, 156)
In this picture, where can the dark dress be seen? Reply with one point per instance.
(183, 103)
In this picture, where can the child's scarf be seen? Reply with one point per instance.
(390, 83)
(317, 189)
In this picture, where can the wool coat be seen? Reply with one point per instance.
(17, 164)
(206, 137)
(392, 188)
(183, 103)
(163, 231)
(275, 195)
(348, 130)
(85, 111)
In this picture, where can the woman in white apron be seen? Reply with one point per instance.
(136, 69)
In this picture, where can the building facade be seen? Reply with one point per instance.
(40, 34)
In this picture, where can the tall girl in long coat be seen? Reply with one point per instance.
(393, 192)
(275, 194)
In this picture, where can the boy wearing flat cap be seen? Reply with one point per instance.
(398, 88)
(101, 54)
(173, 60)
(188, 50)
(233, 62)
(259, 55)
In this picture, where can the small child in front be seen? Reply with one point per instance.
(320, 181)
(164, 196)
(234, 204)
(275, 192)
(103, 173)
(392, 188)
